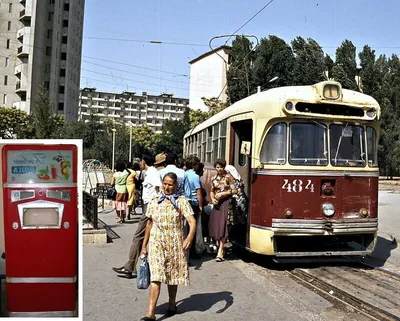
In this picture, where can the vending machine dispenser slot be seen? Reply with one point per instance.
(62, 195)
(22, 195)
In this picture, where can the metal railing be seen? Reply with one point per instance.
(90, 211)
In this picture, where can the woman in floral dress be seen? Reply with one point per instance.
(167, 252)
(222, 189)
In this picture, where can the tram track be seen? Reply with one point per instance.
(372, 292)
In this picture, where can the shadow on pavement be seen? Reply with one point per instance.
(199, 302)
(383, 250)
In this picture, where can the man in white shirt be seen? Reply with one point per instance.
(171, 168)
(151, 186)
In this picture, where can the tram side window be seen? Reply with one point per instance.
(371, 147)
(308, 144)
(215, 141)
(199, 145)
(273, 150)
(209, 144)
(347, 145)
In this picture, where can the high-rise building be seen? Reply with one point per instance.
(41, 45)
(131, 109)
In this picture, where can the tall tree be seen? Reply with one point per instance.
(46, 122)
(309, 67)
(368, 75)
(273, 58)
(239, 72)
(346, 65)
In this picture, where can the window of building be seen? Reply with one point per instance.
(50, 16)
(5, 99)
(8, 44)
(60, 106)
(51, 1)
(65, 23)
(61, 89)
(64, 39)
(10, 7)
(7, 62)
(47, 85)
(5, 80)
(62, 72)
(9, 26)
(66, 6)
(63, 56)
(48, 51)
(49, 33)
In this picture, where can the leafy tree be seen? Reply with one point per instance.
(196, 117)
(368, 74)
(273, 58)
(346, 60)
(13, 123)
(239, 72)
(214, 105)
(309, 67)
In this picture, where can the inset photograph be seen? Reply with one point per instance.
(39, 243)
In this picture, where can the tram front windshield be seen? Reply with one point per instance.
(317, 144)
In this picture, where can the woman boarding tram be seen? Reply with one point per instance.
(308, 159)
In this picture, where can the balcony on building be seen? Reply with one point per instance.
(20, 88)
(25, 16)
(21, 68)
(22, 51)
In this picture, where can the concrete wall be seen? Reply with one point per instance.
(208, 79)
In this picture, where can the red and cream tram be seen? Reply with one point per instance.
(308, 158)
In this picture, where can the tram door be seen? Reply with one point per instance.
(241, 131)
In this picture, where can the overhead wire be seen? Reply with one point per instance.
(258, 12)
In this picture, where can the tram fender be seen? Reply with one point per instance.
(261, 241)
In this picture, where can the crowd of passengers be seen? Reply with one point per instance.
(179, 221)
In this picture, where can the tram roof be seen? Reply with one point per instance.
(276, 97)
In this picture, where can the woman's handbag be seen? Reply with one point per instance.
(111, 193)
(143, 277)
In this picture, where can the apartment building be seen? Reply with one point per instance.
(131, 109)
(41, 44)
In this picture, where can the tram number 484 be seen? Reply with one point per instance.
(297, 186)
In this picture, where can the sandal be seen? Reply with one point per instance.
(147, 319)
(219, 259)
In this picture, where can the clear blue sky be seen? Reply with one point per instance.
(185, 28)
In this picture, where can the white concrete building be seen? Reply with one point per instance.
(43, 46)
(131, 109)
(208, 77)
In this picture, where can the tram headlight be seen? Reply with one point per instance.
(328, 209)
(364, 213)
(289, 105)
(371, 113)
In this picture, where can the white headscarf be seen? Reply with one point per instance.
(232, 170)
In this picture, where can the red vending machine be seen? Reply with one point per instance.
(40, 229)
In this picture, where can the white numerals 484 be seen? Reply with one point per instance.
(298, 186)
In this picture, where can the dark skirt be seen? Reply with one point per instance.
(218, 224)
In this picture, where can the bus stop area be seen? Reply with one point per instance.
(237, 289)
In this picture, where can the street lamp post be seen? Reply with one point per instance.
(113, 148)
(130, 141)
